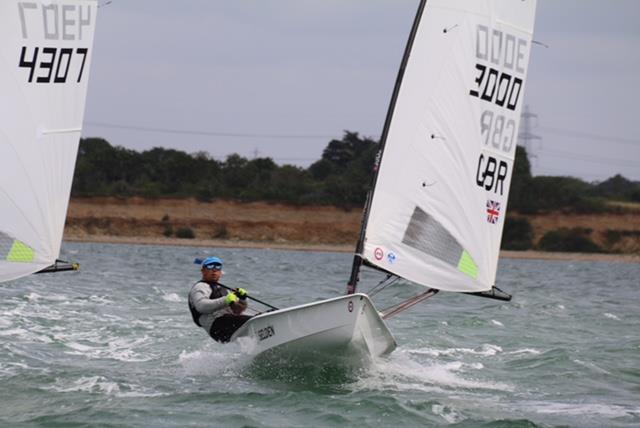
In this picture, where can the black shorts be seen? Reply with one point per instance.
(223, 327)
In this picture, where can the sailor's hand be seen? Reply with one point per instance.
(241, 293)
(231, 298)
(238, 307)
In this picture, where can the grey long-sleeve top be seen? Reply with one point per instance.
(210, 309)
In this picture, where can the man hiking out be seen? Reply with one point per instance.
(216, 310)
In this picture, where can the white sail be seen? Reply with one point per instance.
(45, 53)
(438, 208)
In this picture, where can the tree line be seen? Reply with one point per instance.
(341, 177)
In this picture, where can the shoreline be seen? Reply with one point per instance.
(228, 223)
(338, 248)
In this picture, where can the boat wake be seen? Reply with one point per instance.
(211, 360)
(405, 370)
(292, 371)
(424, 370)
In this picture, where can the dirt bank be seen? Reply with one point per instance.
(220, 220)
(602, 227)
(259, 224)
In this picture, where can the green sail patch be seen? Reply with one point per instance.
(20, 252)
(467, 266)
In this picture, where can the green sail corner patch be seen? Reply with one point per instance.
(20, 252)
(467, 266)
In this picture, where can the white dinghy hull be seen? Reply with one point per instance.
(345, 324)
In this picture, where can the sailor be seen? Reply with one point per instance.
(216, 310)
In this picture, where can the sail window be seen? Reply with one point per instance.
(426, 234)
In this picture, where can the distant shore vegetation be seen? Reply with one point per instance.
(341, 177)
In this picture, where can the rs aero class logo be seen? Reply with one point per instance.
(378, 253)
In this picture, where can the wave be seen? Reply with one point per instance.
(26, 335)
(171, 297)
(34, 297)
(100, 300)
(591, 366)
(102, 385)
(115, 348)
(484, 350)
(583, 409)
(447, 413)
(524, 351)
(611, 316)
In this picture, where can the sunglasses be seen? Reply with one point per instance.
(213, 266)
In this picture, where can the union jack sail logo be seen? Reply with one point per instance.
(493, 211)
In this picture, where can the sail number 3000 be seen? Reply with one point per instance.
(496, 87)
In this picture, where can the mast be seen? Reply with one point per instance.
(357, 258)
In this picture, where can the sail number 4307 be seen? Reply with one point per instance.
(53, 64)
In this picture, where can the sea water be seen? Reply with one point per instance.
(114, 346)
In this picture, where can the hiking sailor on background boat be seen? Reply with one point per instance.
(216, 310)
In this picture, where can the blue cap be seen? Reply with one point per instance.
(212, 262)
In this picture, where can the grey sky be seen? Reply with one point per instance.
(313, 68)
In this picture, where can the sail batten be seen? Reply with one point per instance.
(62, 131)
(437, 210)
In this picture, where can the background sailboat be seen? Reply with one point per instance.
(45, 57)
(436, 211)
